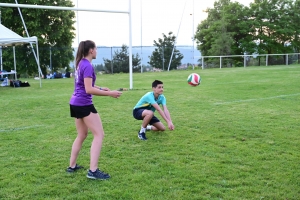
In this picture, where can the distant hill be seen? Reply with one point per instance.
(146, 51)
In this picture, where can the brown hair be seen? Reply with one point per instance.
(83, 50)
(156, 82)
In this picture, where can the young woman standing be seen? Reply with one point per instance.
(84, 112)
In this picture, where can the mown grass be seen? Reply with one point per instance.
(236, 137)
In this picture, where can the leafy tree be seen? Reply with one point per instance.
(54, 28)
(266, 26)
(235, 17)
(222, 42)
(273, 29)
(120, 61)
(221, 32)
(99, 68)
(295, 16)
(161, 55)
(224, 31)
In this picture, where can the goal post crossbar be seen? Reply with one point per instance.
(59, 8)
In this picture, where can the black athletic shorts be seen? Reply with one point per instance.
(137, 114)
(82, 111)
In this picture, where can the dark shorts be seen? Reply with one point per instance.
(82, 111)
(137, 114)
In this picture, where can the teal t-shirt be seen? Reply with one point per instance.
(148, 100)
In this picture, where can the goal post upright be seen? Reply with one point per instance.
(130, 47)
(89, 10)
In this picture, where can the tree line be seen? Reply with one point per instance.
(263, 27)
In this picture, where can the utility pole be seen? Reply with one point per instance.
(193, 37)
(163, 58)
(176, 37)
(111, 57)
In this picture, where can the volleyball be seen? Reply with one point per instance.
(194, 79)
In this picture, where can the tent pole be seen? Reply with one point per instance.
(15, 63)
(1, 58)
(38, 61)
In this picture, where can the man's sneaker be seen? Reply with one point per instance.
(77, 167)
(97, 175)
(142, 136)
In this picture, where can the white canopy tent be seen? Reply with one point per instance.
(10, 38)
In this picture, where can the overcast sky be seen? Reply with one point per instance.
(150, 18)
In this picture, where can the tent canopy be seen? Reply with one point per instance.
(10, 38)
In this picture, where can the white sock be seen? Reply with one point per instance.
(143, 130)
(149, 127)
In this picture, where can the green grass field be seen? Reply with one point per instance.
(236, 137)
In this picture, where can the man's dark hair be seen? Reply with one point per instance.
(156, 82)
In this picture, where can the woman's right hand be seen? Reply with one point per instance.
(115, 94)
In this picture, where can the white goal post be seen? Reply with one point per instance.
(90, 10)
